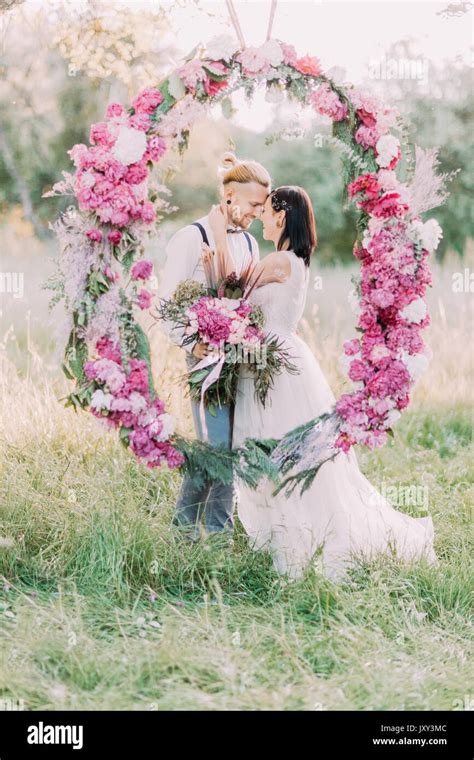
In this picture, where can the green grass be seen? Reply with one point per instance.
(104, 607)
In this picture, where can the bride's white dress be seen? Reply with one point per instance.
(341, 514)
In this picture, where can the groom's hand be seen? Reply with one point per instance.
(200, 350)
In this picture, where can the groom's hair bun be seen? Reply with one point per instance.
(233, 170)
(229, 160)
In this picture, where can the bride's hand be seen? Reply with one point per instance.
(218, 222)
(207, 254)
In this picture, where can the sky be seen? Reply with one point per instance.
(352, 34)
(349, 34)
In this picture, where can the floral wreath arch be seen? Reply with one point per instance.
(118, 207)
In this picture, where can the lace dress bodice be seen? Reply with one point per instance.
(283, 302)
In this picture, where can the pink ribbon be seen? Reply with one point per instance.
(210, 379)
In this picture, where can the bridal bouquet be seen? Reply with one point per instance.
(221, 316)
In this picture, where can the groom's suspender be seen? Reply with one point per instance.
(206, 239)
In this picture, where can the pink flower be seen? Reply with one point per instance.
(114, 109)
(114, 237)
(375, 438)
(253, 61)
(308, 65)
(325, 101)
(109, 350)
(366, 184)
(100, 135)
(351, 347)
(367, 137)
(211, 86)
(140, 121)
(148, 213)
(156, 148)
(174, 458)
(136, 173)
(386, 206)
(95, 235)
(382, 298)
(344, 442)
(192, 73)
(144, 299)
(147, 101)
(141, 270)
(78, 154)
(367, 118)
(391, 382)
(357, 370)
(290, 55)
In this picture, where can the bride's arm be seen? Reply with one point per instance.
(218, 224)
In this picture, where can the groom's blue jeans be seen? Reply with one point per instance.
(212, 498)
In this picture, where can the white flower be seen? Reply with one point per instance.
(88, 178)
(101, 400)
(353, 299)
(168, 427)
(387, 148)
(415, 311)
(272, 52)
(416, 364)
(231, 303)
(181, 117)
(345, 361)
(222, 47)
(130, 145)
(392, 416)
(388, 179)
(374, 227)
(137, 402)
(428, 234)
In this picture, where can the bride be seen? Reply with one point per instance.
(341, 514)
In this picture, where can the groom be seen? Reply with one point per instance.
(246, 185)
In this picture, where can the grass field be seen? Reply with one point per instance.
(103, 607)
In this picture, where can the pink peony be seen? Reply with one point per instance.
(156, 148)
(366, 184)
(100, 135)
(290, 55)
(147, 101)
(148, 213)
(136, 173)
(140, 121)
(141, 270)
(114, 109)
(325, 101)
(95, 235)
(351, 347)
(114, 237)
(367, 137)
(144, 299)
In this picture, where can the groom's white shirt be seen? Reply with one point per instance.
(183, 262)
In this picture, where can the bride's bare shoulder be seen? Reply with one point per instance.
(276, 265)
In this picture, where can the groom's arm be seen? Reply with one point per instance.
(182, 256)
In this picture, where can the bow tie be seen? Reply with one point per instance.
(231, 230)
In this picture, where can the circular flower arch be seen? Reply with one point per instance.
(102, 273)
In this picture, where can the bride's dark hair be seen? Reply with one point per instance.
(300, 226)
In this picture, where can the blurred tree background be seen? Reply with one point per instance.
(62, 63)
